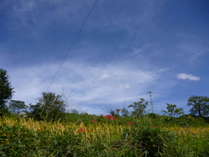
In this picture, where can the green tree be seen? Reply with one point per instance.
(139, 107)
(124, 112)
(74, 111)
(5, 91)
(173, 111)
(200, 105)
(118, 111)
(50, 107)
(113, 113)
(17, 106)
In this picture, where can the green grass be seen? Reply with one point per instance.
(93, 136)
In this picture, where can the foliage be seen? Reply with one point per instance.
(151, 142)
(72, 134)
(113, 113)
(153, 115)
(173, 111)
(50, 107)
(120, 112)
(200, 105)
(124, 112)
(102, 138)
(139, 107)
(5, 91)
(17, 106)
(19, 141)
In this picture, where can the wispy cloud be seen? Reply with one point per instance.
(83, 84)
(125, 49)
(184, 76)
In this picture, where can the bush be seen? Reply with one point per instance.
(50, 107)
(18, 141)
(185, 121)
(153, 115)
(149, 142)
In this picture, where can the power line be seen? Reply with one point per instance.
(80, 31)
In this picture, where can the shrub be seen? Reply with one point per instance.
(18, 141)
(149, 142)
(50, 107)
(153, 115)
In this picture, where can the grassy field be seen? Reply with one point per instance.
(92, 136)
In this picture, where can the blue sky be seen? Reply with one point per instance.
(126, 49)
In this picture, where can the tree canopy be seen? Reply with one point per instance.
(17, 106)
(50, 107)
(5, 91)
(173, 111)
(200, 105)
(139, 107)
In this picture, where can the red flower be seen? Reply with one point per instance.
(110, 117)
(81, 130)
(94, 121)
(131, 123)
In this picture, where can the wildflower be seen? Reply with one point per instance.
(94, 121)
(110, 117)
(81, 130)
(131, 123)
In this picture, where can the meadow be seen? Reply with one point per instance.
(105, 136)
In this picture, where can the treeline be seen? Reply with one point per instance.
(199, 107)
(51, 106)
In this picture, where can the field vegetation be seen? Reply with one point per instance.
(86, 135)
(45, 129)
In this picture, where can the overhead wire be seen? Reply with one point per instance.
(79, 33)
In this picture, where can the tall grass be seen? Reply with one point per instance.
(102, 138)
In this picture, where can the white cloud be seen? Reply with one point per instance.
(83, 84)
(184, 76)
